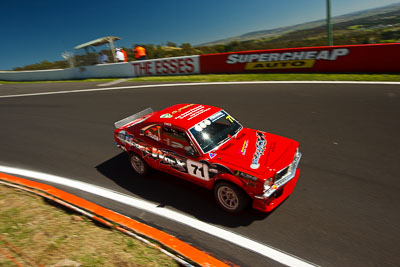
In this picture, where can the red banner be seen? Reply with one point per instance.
(166, 66)
(373, 58)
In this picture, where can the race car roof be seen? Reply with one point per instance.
(184, 115)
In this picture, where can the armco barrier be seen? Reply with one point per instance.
(374, 58)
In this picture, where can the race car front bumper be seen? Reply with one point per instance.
(275, 195)
(267, 204)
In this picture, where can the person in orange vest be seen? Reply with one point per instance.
(125, 55)
(140, 52)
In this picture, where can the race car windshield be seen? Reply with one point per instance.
(214, 130)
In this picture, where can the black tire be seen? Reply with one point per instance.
(230, 197)
(138, 164)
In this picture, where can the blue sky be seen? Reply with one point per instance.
(36, 30)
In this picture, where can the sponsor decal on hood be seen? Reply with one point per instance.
(260, 148)
(166, 116)
(212, 154)
(244, 147)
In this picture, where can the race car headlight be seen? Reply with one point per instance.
(268, 183)
(246, 176)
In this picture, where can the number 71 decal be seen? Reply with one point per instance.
(197, 169)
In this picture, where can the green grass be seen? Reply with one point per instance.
(272, 77)
(248, 77)
(62, 81)
(50, 235)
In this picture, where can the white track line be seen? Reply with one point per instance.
(265, 250)
(193, 84)
(113, 82)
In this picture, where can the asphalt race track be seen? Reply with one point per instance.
(344, 211)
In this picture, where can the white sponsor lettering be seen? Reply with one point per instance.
(274, 57)
(310, 55)
(285, 56)
(339, 52)
(323, 55)
(333, 54)
(264, 57)
(192, 113)
(153, 136)
(260, 148)
(297, 56)
(232, 59)
(253, 57)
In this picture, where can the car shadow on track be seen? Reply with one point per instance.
(170, 191)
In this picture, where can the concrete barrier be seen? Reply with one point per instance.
(37, 75)
(166, 66)
(113, 70)
(117, 70)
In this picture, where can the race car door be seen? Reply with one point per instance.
(179, 142)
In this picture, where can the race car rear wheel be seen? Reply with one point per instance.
(230, 198)
(139, 166)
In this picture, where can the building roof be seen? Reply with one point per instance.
(99, 41)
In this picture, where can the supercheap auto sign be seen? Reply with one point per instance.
(285, 60)
(356, 58)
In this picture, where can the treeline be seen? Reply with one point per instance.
(45, 65)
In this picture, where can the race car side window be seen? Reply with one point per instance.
(176, 139)
(153, 132)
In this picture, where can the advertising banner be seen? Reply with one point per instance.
(351, 58)
(167, 66)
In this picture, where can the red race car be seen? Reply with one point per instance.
(207, 146)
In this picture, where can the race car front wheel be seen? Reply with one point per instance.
(138, 164)
(230, 198)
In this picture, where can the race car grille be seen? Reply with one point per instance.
(283, 176)
(282, 173)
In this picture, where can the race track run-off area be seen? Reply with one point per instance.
(344, 210)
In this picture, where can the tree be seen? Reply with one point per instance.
(44, 65)
(171, 44)
(187, 49)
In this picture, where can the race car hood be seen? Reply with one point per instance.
(256, 152)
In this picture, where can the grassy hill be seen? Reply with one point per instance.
(377, 17)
